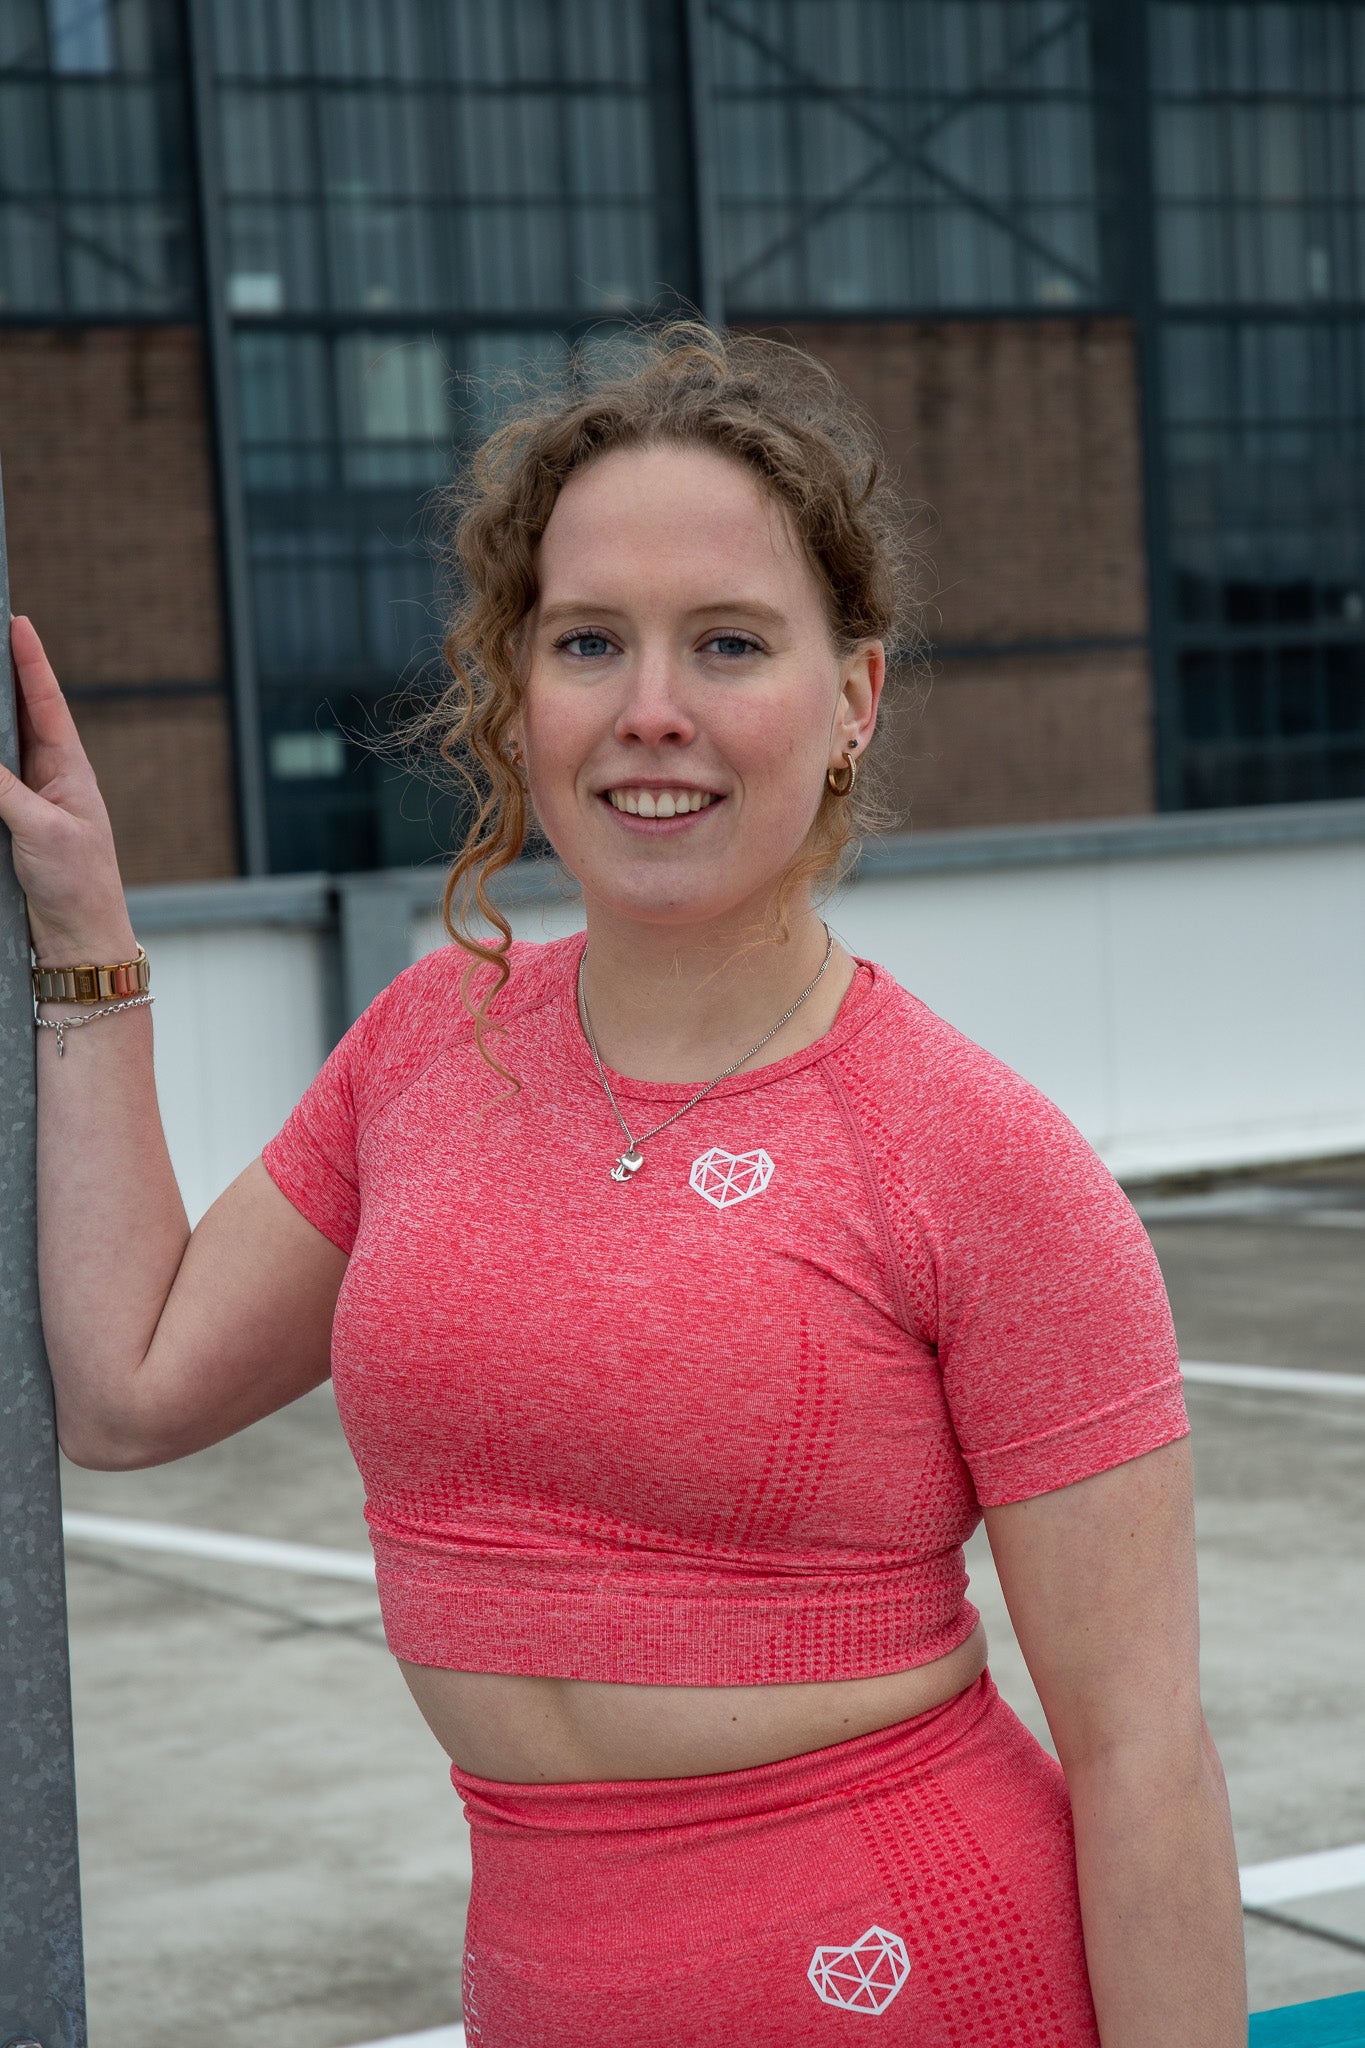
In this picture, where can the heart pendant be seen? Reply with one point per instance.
(629, 1163)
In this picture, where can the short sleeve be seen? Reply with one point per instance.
(316, 1159)
(1056, 1345)
(312, 1159)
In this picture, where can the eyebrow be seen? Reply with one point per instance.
(750, 607)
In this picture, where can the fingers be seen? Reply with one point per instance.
(41, 699)
(22, 809)
(47, 732)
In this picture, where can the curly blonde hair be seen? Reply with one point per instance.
(761, 402)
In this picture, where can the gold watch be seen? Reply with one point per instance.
(90, 984)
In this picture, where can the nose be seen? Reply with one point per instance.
(654, 711)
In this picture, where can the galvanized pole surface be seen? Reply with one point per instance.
(42, 1986)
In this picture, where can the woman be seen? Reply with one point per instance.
(690, 1293)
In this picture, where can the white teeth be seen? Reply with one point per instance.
(644, 803)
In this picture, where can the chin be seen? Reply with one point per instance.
(658, 906)
(649, 899)
(656, 886)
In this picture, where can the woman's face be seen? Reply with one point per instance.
(684, 699)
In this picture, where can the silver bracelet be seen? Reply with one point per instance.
(60, 1024)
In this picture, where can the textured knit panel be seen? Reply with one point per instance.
(918, 1882)
(707, 1426)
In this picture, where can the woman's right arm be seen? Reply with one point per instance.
(161, 1340)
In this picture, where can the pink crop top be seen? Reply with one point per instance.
(732, 1421)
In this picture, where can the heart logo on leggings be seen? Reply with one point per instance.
(864, 1977)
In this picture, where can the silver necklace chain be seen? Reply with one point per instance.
(630, 1161)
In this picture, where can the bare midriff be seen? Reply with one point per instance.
(526, 1730)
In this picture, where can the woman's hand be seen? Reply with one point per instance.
(63, 842)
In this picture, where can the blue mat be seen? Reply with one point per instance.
(1326, 2023)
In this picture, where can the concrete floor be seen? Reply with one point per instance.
(271, 1849)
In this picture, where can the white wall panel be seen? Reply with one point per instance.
(1014, 957)
(238, 1032)
(1239, 1007)
(1188, 1011)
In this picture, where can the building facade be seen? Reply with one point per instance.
(1096, 266)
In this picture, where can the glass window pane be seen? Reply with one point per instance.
(123, 258)
(266, 140)
(1185, 154)
(273, 258)
(93, 149)
(382, 257)
(110, 139)
(25, 155)
(907, 156)
(282, 387)
(81, 35)
(23, 35)
(260, 38)
(30, 268)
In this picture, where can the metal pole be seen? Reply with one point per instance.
(238, 611)
(42, 1980)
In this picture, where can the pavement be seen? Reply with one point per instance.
(270, 1845)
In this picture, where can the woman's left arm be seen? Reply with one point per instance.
(1100, 1582)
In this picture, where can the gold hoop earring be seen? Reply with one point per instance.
(841, 780)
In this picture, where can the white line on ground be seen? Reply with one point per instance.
(1244, 1204)
(177, 1541)
(1303, 1877)
(435, 2037)
(1274, 1379)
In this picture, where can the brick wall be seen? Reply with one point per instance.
(1022, 740)
(1022, 439)
(113, 554)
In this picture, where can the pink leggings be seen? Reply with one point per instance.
(916, 1885)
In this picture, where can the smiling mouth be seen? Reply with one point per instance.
(660, 803)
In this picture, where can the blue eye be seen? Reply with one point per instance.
(731, 644)
(589, 646)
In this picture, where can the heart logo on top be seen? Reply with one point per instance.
(724, 1178)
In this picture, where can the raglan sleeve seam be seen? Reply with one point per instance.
(454, 1028)
(891, 1249)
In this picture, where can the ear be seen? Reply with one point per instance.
(862, 676)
